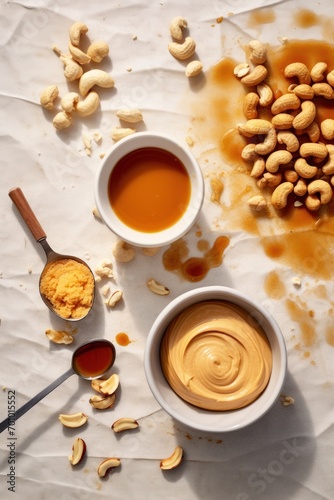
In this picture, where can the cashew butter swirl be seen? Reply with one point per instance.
(216, 356)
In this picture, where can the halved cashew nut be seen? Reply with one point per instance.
(277, 158)
(328, 168)
(69, 101)
(289, 139)
(129, 115)
(94, 77)
(73, 420)
(62, 120)
(76, 30)
(258, 52)
(193, 68)
(107, 465)
(284, 103)
(88, 105)
(317, 72)
(250, 105)
(306, 116)
(314, 149)
(124, 424)
(78, 451)
(72, 70)
(98, 50)
(157, 288)
(327, 128)
(255, 77)
(110, 385)
(101, 402)
(123, 252)
(304, 169)
(298, 70)
(176, 27)
(257, 203)
(323, 90)
(265, 93)
(322, 189)
(59, 336)
(78, 55)
(279, 198)
(48, 95)
(183, 50)
(114, 298)
(241, 70)
(119, 133)
(173, 461)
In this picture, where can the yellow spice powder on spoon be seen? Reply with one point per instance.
(69, 286)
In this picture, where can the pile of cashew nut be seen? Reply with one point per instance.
(183, 49)
(289, 151)
(87, 101)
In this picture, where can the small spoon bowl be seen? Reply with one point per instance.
(90, 360)
(38, 232)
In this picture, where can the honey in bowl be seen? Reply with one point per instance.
(149, 189)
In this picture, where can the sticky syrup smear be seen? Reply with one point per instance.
(301, 240)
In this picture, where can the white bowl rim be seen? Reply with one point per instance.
(207, 293)
(181, 227)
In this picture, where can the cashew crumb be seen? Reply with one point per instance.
(296, 281)
(105, 270)
(286, 400)
(134, 37)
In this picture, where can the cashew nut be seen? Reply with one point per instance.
(183, 50)
(124, 424)
(250, 105)
(255, 77)
(328, 168)
(88, 105)
(289, 139)
(123, 252)
(76, 30)
(279, 198)
(300, 188)
(157, 288)
(273, 180)
(317, 72)
(313, 132)
(299, 70)
(260, 127)
(266, 95)
(119, 133)
(323, 90)
(72, 70)
(78, 55)
(330, 78)
(277, 158)
(259, 166)
(173, 461)
(94, 77)
(304, 169)
(193, 68)
(48, 96)
(284, 103)
(69, 101)
(59, 336)
(312, 202)
(62, 120)
(327, 128)
(114, 298)
(257, 203)
(98, 50)
(303, 91)
(258, 52)
(282, 121)
(176, 26)
(306, 116)
(321, 188)
(290, 175)
(315, 149)
(130, 115)
(106, 465)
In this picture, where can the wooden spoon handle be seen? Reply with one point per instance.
(27, 214)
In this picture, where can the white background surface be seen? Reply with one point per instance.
(286, 455)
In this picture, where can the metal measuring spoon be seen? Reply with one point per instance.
(90, 360)
(38, 232)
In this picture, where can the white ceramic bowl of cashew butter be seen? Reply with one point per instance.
(187, 413)
(137, 213)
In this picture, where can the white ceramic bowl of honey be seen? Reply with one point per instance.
(218, 364)
(149, 189)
